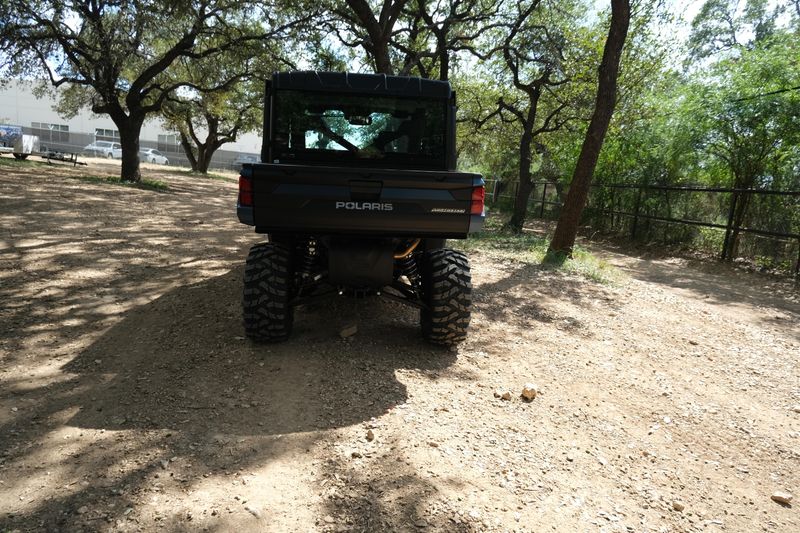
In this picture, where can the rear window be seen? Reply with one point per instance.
(336, 128)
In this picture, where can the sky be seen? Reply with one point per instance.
(686, 10)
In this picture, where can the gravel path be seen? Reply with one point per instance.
(130, 401)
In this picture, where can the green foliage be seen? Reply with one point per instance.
(534, 83)
(709, 240)
(9, 161)
(531, 248)
(118, 53)
(732, 119)
(723, 26)
(494, 149)
(737, 121)
(208, 119)
(494, 154)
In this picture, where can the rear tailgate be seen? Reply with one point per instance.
(331, 200)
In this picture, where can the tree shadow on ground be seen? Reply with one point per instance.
(530, 293)
(390, 496)
(76, 254)
(175, 382)
(715, 283)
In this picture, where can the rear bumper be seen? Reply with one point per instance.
(245, 215)
(476, 223)
(346, 201)
(301, 199)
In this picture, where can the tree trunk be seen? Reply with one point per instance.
(559, 188)
(744, 178)
(200, 153)
(204, 158)
(525, 185)
(383, 64)
(567, 228)
(188, 149)
(738, 221)
(204, 161)
(379, 29)
(129, 130)
(444, 59)
(520, 205)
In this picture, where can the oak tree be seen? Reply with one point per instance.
(120, 49)
(567, 228)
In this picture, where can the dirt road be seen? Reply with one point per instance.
(130, 401)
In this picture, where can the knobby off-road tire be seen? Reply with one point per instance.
(447, 290)
(268, 279)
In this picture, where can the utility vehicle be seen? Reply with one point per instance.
(357, 193)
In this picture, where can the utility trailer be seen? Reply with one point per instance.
(14, 141)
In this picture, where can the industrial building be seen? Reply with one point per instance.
(19, 106)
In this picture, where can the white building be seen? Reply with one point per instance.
(19, 107)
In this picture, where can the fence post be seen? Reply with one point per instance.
(797, 265)
(729, 226)
(544, 193)
(636, 213)
(612, 209)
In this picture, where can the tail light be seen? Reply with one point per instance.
(478, 196)
(245, 192)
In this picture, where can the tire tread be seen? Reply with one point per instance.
(448, 294)
(266, 310)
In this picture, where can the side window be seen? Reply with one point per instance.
(106, 135)
(51, 132)
(169, 143)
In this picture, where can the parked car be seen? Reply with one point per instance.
(244, 158)
(108, 149)
(151, 155)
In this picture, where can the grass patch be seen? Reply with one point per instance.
(145, 183)
(586, 264)
(208, 175)
(13, 162)
(532, 249)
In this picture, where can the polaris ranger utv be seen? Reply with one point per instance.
(357, 193)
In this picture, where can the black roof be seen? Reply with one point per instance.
(361, 83)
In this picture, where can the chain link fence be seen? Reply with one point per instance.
(72, 142)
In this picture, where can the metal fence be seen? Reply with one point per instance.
(635, 209)
(73, 142)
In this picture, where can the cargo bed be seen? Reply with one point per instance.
(362, 201)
